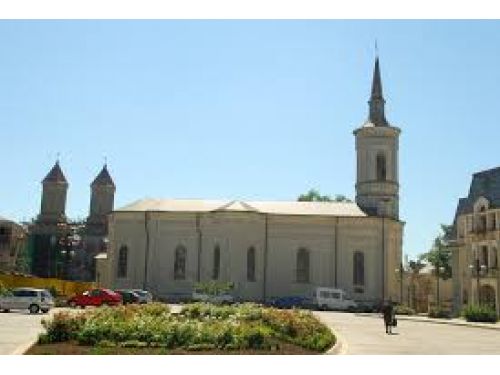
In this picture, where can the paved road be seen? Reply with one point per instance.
(366, 335)
(18, 328)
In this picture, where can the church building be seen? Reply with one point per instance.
(272, 249)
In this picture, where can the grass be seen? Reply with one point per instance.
(198, 328)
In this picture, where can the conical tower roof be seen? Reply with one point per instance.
(103, 178)
(376, 115)
(55, 175)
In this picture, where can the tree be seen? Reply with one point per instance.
(440, 254)
(314, 195)
(415, 266)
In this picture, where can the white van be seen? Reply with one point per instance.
(332, 299)
(31, 299)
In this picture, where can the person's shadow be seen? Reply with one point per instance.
(394, 333)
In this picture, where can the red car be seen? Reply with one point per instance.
(96, 297)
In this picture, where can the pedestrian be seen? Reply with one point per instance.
(388, 311)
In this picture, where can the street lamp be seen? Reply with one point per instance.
(476, 268)
(400, 271)
(439, 271)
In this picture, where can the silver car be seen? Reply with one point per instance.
(31, 299)
(144, 295)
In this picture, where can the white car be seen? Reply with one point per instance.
(332, 299)
(144, 295)
(31, 299)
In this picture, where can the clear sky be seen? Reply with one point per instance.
(257, 110)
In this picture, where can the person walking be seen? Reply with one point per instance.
(388, 312)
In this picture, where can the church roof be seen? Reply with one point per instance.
(103, 178)
(55, 175)
(265, 207)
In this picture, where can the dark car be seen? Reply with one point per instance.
(290, 302)
(128, 296)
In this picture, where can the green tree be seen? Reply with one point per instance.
(440, 254)
(314, 195)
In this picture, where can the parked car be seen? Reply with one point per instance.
(144, 295)
(222, 298)
(95, 297)
(31, 299)
(332, 299)
(290, 302)
(128, 296)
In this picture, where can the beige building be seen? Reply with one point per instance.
(271, 249)
(12, 241)
(476, 243)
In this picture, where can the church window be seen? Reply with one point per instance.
(122, 262)
(180, 263)
(381, 167)
(359, 268)
(251, 264)
(216, 265)
(303, 266)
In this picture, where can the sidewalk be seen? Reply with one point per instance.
(424, 319)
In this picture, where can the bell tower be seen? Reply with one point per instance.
(377, 147)
(101, 201)
(54, 192)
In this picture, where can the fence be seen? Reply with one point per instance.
(63, 287)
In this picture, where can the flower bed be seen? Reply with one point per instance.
(198, 327)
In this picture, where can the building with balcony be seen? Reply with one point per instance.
(475, 243)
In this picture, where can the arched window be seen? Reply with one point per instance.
(251, 264)
(180, 263)
(216, 265)
(358, 268)
(122, 262)
(303, 266)
(381, 167)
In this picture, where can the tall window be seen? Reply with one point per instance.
(251, 264)
(216, 265)
(494, 257)
(358, 268)
(381, 167)
(122, 262)
(303, 266)
(180, 263)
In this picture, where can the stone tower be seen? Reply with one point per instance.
(101, 202)
(377, 144)
(54, 193)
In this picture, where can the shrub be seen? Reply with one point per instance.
(63, 326)
(404, 310)
(4, 290)
(480, 313)
(439, 313)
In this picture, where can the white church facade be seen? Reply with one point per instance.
(271, 249)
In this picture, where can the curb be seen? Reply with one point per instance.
(22, 349)
(435, 321)
(340, 347)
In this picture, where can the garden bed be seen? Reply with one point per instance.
(198, 329)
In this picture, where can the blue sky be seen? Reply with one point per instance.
(258, 110)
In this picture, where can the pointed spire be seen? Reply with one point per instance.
(103, 178)
(55, 175)
(377, 102)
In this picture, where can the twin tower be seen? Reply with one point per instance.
(55, 187)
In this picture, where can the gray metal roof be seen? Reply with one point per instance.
(269, 207)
